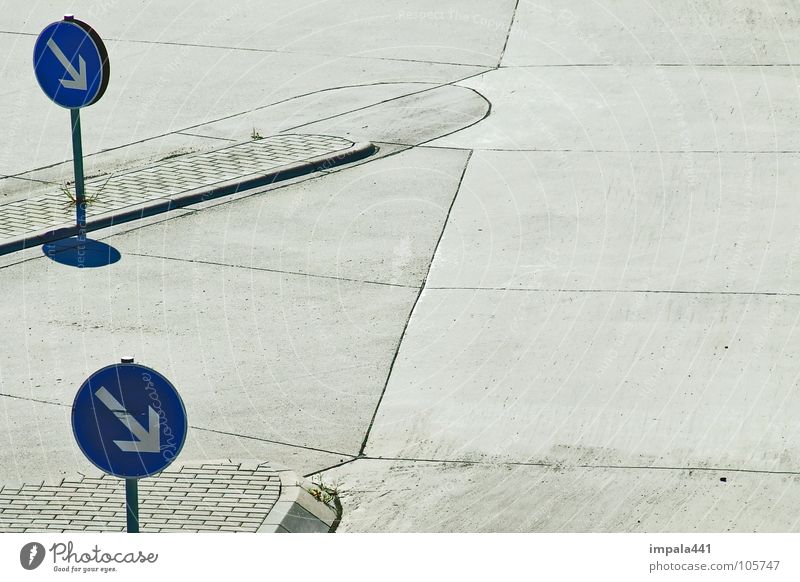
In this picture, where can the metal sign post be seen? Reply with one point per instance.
(130, 422)
(132, 504)
(131, 486)
(71, 65)
(77, 163)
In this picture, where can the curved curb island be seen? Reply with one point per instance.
(174, 183)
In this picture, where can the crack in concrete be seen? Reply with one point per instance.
(200, 428)
(266, 50)
(278, 271)
(508, 34)
(272, 441)
(435, 87)
(289, 52)
(337, 465)
(621, 64)
(205, 136)
(599, 151)
(645, 291)
(544, 464)
(414, 306)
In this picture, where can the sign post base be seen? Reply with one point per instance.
(132, 504)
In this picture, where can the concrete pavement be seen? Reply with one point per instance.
(563, 297)
(606, 337)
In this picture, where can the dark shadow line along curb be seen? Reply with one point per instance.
(160, 205)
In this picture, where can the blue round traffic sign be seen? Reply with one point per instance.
(71, 63)
(129, 420)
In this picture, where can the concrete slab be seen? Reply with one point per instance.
(37, 445)
(636, 109)
(661, 31)
(15, 188)
(399, 496)
(457, 31)
(644, 379)
(377, 222)
(693, 222)
(256, 353)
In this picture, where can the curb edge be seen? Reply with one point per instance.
(161, 205)
(296, 511)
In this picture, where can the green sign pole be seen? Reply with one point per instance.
(131, 491)
(132, 504)
(77, 162)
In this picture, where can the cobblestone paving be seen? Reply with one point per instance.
(167, 178)
(193, 498)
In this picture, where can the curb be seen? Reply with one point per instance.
(160, 205)
(296, 511)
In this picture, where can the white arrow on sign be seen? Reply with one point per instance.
(149, 440)
(78, 80)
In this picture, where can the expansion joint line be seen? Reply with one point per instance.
(414, 306)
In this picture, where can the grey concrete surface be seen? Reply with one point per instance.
(355, 225)
(256, 331)
(398, 496)
(295, 113)
(602, 324)
(732, 108)
(39, 447)
(408, 31)
(649, 379)
(241, 348)
(613, 297)
(736, 32)
(705, 222)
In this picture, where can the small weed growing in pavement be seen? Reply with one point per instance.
(255, 136)
(327, 494)
(73, 201)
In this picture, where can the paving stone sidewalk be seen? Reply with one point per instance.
(220, 497)
(182, 180)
